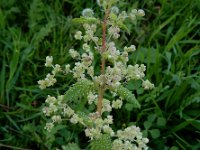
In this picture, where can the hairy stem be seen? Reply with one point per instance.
(103, 61)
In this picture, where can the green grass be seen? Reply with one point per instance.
(168, 43)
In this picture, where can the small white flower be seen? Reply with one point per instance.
(109, 120)
(117, 104)
(42, 84)
(78, 35)
(74, 54)
(56, 118)
(86, 47)
(132, 48)
(49, 126)
(56, 69)
(45, 110)
(50, 80)
(67, 68)
(91, 98)
(88, 133)
(147, 85)
(50, 100)
(74, 119)
(114, 32)
(141, 12)
(115, 10)
(108, 130)
(49, 60)
(68, 111)
(87, 12)
(134, 11)
(93, 27)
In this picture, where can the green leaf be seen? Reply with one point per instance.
(129, 107)
(113, 16)
(145, 133)
(71, 146)
(147, 125)
(85, 20)
(78, 90)
(128, 96)
(155, 133)
(151, 117)
(102, 143)
(174, 148)
(161, 121)
(85, 118)
(123, 26)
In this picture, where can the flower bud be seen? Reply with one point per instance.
(87, 12)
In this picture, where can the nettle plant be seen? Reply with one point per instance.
(92, 86)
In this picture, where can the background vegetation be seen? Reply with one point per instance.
(168, 43)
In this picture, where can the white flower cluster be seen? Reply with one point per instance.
(56, 108)
(113, 31)
(147, 85)
(50, 79)
(134, 13)
(100, 126)
(47, 82)
(130, 139)
(113, 75)
(54, 105)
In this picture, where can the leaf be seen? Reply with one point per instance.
(123, 26)
(147, 125)
(43, 32)
(127, 95)
(85, 20)
(155, 133)
(151, 117)
(71, 146)
(129, 107)
(85, 118)
(78, 90)
(161, 121)
(174, 148)
(102, 143)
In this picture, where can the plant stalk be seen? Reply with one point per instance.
(103, 61)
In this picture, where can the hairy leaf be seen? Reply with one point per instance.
(127, 95)
(85, 20)
(102, 143)
(78, 90)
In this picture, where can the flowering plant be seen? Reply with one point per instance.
(92, 86)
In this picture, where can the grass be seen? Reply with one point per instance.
(168, 43)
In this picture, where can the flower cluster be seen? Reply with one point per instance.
(130, 139)
(113, 75)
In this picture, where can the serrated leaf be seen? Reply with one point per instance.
(56, 128)
(123, 26)
(102, 143)
(85, 20)
(147, 125)
(113, 16)
(85, 118)
(78, 90)
(155, 133)
(128, 96)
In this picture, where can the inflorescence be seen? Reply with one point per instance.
(116, 73)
